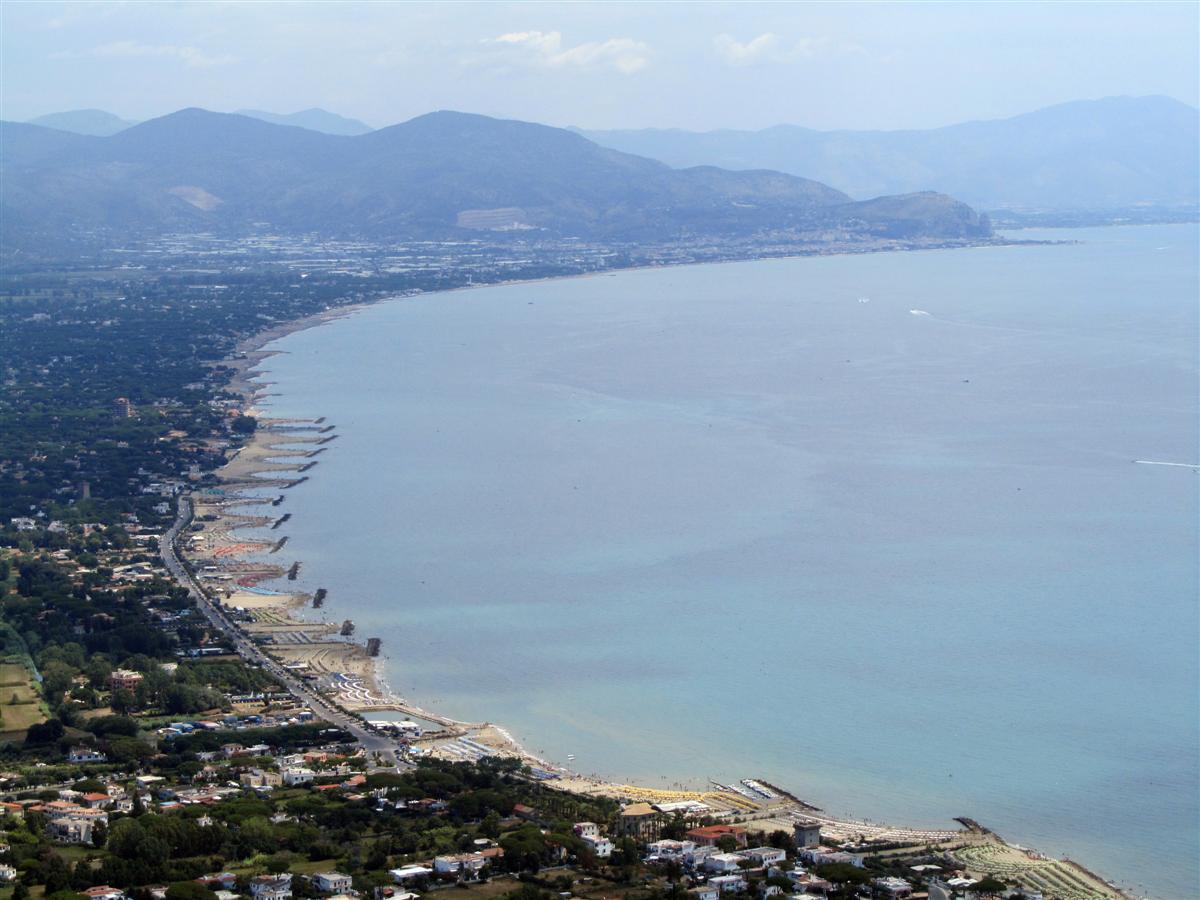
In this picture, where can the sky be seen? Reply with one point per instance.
(688, 65)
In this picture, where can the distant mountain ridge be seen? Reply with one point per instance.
(95, 122)
(313, 119)
(435, 175)
(98, 123)
(1090, 154)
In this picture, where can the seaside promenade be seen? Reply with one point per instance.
(382, 747)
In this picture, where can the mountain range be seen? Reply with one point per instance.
(1094, 154)
(1117, 153)
(313, 119)
(95, 122)
(98, 123)
(437, 175)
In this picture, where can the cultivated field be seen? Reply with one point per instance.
(20, 700)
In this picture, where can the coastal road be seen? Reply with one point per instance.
(371, 741)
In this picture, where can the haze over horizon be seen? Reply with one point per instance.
(612, 66)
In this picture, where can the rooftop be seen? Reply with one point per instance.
(639, 809)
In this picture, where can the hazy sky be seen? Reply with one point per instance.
(599, 65)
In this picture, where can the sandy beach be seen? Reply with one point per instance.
(237, 569)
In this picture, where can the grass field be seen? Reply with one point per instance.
(16, 683)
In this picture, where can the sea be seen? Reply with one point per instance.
(880, 529)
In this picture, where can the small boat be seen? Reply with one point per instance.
(570, 757)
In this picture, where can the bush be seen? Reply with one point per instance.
(44, 732)
(843, 873)
(105, 725)
(189, 890)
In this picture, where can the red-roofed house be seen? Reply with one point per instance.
(709, 835)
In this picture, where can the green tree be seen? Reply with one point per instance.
(490, 826)
(843, 873)
(98, 670)
(55, 874)
(122, 702)
(278, 863)
(44, 732)
(126, 838)
(781, 840)
(189, 890)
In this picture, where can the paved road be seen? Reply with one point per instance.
(249, 651)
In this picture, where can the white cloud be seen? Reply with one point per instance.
(770, 48)
(762, 48)
(545, 48)
(189, 56)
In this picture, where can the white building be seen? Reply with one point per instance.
(332, 882)
(601, 846)
(406, 874)
(271, 887)
(820, 856)
(465, 865)
(86, 755)
(724, 863)
(7, 874)
(765, 856)
(695, 856)
(260, 778)
(293, 777)
(728, 884)
(71, 830)
(668, 849)
(587, 830)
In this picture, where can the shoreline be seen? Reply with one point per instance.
(279, 456)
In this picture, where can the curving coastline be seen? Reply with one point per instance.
(281, 453)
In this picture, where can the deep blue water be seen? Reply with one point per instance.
(729, 521)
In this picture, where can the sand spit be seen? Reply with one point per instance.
(279, 455)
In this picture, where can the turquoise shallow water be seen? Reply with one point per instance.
(729, 521)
